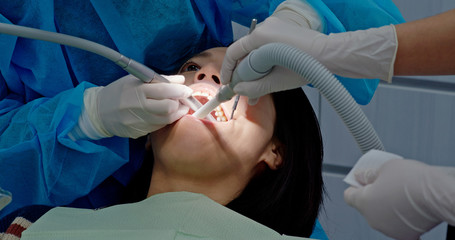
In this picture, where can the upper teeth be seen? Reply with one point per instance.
(219, 113)
(203, 94)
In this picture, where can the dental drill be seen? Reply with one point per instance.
(136, 69)
(261, 61)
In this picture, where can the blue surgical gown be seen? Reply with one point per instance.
(42, 84)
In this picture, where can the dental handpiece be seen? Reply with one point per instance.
(243, 73)
(136, 69)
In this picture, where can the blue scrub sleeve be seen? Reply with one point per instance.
(41, 164)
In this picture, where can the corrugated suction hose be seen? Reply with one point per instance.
(261, 60)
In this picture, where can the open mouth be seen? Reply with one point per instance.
(205, 92)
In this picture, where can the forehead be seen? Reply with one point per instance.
(212, 54)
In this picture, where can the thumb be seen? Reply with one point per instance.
(253, 89)
(351, 195)
(179, 79)
(367, 176)
(238, 50)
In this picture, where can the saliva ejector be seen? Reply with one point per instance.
(131, 66)
(261, 61)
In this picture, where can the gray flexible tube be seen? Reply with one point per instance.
(264, 58)
(135, 68)
(130, 65)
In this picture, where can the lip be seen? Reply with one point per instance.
(206, 122)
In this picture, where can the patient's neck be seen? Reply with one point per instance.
(221, 191)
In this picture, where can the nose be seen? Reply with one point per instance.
(208, 73)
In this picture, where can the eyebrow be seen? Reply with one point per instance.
(203, 54)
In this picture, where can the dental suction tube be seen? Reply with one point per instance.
(260, 61)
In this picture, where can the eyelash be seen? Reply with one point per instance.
(188, 65)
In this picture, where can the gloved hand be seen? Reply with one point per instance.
(289, 18)
(131, 108)
(359, 54)
(404, 198)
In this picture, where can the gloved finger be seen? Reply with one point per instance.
(169, 118)
(159, 122)
(161, 107)
(279, 79)
(181, 111)
(178, 79)
(238, 50)
(166, 91)
(252, 89)
(366, 176)
(351, 196)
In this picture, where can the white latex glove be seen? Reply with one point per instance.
(404, 198)
(289, 18)
(131, 108)
(359, 54)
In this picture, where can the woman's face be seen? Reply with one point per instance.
(230, 149)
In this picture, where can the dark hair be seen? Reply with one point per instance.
(288, 199)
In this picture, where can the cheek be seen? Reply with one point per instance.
(189, 77)
(261, 114)
(249, 141)
(187, 150)
(256, 125)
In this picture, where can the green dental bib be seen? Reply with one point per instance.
(176, 215)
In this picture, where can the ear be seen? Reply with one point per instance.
(272, 155)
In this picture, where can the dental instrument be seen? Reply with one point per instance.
(234, 107)
(254, 21)
(260, 62)
(136, 69)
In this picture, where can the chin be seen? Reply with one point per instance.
(189, 142)
(186, 134)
